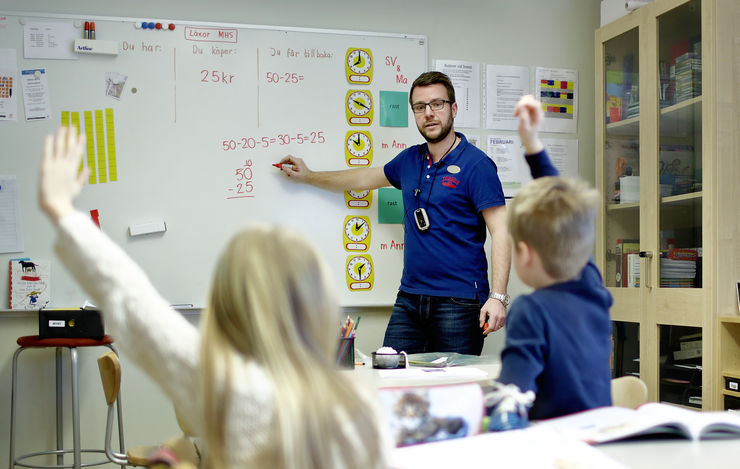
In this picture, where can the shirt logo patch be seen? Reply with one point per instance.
(453, 169)
(450, 181)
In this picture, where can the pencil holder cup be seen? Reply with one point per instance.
(346, 352)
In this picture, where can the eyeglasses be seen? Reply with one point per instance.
(436, 105)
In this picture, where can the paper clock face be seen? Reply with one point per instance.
(358, 148)
(359, 66)
(358, 199)
(356, 233)
(359, 107)
(359, 272)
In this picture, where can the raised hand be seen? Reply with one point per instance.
(529, 112)
(60, 179)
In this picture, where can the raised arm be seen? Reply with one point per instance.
(147, 330)
(347, 179)
(529, 112)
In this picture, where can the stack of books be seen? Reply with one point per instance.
(678, 268)
(688, 76)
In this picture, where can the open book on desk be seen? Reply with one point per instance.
(606, 424)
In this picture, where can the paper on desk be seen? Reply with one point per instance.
(434, 373)
(505, 449)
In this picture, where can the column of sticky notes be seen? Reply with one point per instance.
(101, 143)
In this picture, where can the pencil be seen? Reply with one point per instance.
(357, 324)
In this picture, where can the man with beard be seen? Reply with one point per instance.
(451, 194)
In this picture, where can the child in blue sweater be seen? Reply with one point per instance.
(557, 337)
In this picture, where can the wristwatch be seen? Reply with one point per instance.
(502, 297)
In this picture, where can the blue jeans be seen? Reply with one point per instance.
(421, 323)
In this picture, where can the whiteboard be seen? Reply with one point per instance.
(204, 111)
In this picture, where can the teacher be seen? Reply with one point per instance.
(451, 194)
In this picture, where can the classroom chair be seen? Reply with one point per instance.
(177, 452)
(629, 391)
(71, 344)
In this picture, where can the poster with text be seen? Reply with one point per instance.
(465, 77)
(505, 84)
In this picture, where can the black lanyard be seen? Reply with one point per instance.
(417, 191)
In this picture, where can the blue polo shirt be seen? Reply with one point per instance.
(449, 258)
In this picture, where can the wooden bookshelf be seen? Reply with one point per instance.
(699, 208)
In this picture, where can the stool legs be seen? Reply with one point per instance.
(59, 403)
(75, 410)
(119, 410)
(77, 464)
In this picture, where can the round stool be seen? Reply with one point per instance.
(34, 342)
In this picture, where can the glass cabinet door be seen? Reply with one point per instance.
(622, 159)
(680, 146)
(679, 207)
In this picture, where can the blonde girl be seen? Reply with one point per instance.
(258, 381)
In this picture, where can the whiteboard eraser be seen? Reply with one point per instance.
(157, 226)
(97, 46)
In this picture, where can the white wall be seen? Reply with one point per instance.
(556, 33)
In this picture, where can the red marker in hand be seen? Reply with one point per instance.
(280, 165)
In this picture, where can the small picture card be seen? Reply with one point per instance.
(29, 283)
(114, 83)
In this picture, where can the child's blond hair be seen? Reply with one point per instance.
(271, 302)
(556, 216)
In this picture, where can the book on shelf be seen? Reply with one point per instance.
(614, 109)
(625, 247)
(605, 424)
(633, 270)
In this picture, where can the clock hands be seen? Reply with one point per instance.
(358, 225)
(359, 59)
(360, 103)
(357, 142)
